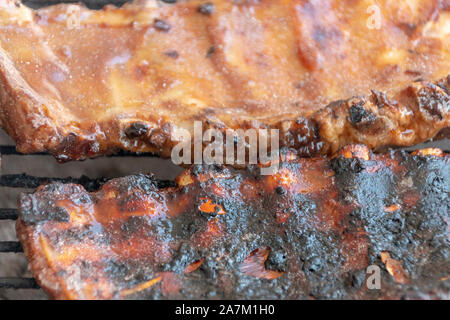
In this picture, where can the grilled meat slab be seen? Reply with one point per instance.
(309, 231)
(80, 83)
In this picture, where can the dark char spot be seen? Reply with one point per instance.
(210, 52)
(136, 130)
(360, 115)
(161, 25)
(172, 54)
(206, 8)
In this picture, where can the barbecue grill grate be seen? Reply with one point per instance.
(13, 246)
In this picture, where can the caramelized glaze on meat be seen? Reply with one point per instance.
(308, 231)
(80, 83)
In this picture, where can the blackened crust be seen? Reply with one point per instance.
(309, 231)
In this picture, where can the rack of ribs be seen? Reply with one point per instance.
(80, 83)
(310, 230)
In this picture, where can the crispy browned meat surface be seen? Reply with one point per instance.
(129, 78)
(309, 231)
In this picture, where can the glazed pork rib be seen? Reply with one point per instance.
(308, 231)
(80, 83)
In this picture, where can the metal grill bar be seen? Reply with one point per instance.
(8, 214)
(30, 182)
(10, 246)
(94, 4)
(18, 283)
(26, 181)
(11, 150)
